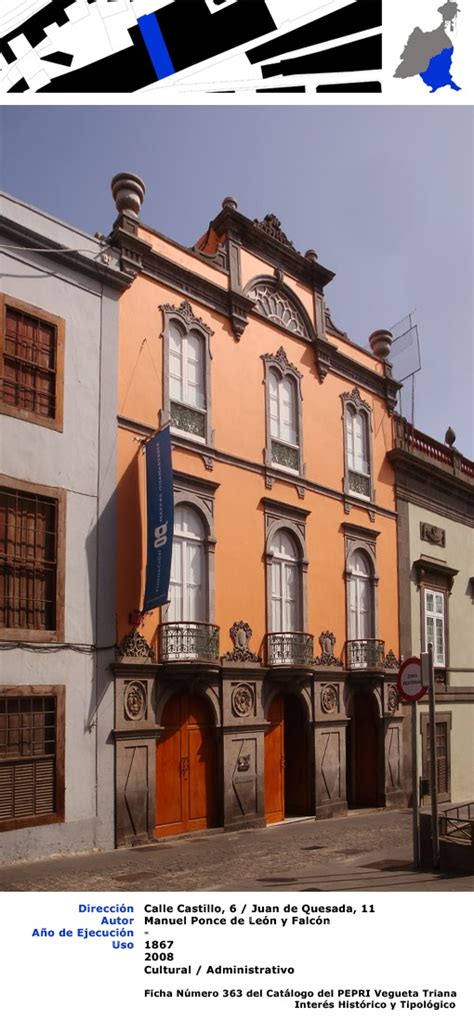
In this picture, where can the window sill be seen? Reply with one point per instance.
(31, 636)
(359, 496)
(33, 419)
(188, 435)
(286, 470)
(13, 823)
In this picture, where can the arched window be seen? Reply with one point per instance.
(361, 596)
(188, 583)
(186, 371)
(275, 301)
(286, 607)
(357, 433)
(283, 389)
(283, 408)
(358, 473)
(186, 367)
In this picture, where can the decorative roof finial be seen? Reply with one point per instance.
(128, 192)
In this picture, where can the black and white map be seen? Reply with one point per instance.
(130, 46)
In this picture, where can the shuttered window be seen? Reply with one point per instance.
(31, 363)
(30, 787)
(29, 379)
(441, 757)
(28, 561)
(443, 753)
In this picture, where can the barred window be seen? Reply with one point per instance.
(28, 561)
(32, 363)
(31, 758)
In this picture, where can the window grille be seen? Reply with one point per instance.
(29, 363)
(27, 757)
(28, 561)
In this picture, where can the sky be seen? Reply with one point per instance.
(384, 195)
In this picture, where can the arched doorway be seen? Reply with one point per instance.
(286, 760)
(363, 751)
(186, 767)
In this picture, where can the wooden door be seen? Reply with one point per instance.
(296, 758)
(365, 751)
(274, 763)
(186, 768)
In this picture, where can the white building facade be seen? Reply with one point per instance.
(59, 326)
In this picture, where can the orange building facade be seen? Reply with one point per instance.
(266, 687)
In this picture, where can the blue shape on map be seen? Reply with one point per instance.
(438, 72)
(156, 46)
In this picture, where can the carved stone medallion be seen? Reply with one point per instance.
(329, 699)
(135, 701)
(243, 700)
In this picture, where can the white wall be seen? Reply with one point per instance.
(71, 460)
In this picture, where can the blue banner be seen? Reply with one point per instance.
(159, 501)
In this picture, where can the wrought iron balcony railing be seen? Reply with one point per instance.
(289, 648)
(189, 642)
(365, 654)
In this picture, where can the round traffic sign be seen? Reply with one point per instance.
(409, 683)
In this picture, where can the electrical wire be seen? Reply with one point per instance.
(84, 649)
(26, 247)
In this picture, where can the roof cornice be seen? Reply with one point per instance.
(80, 262)
(278, 254)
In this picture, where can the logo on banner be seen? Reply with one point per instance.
(159, 500)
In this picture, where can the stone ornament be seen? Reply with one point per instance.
(241, 634)
(281, 359)
(243, 762)
(186, 313)
(356, 400)
(327, 642)
(381, 341)
(329, 699)
(392, 699)
(134, 645)
(435, 535)
(391, 661)
(271, 225)
(128, 192)
(243, 700)
(135, 701)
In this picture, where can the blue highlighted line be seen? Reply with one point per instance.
(156, 46)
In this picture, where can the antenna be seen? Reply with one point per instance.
(405, 356)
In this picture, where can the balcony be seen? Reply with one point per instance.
(289, 649)
(365, 654)
(424, 448)
(189, 642)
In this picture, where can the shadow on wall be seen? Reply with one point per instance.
(113, 551)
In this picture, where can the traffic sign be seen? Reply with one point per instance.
(409, 681)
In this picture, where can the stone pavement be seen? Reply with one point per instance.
(365, 851)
